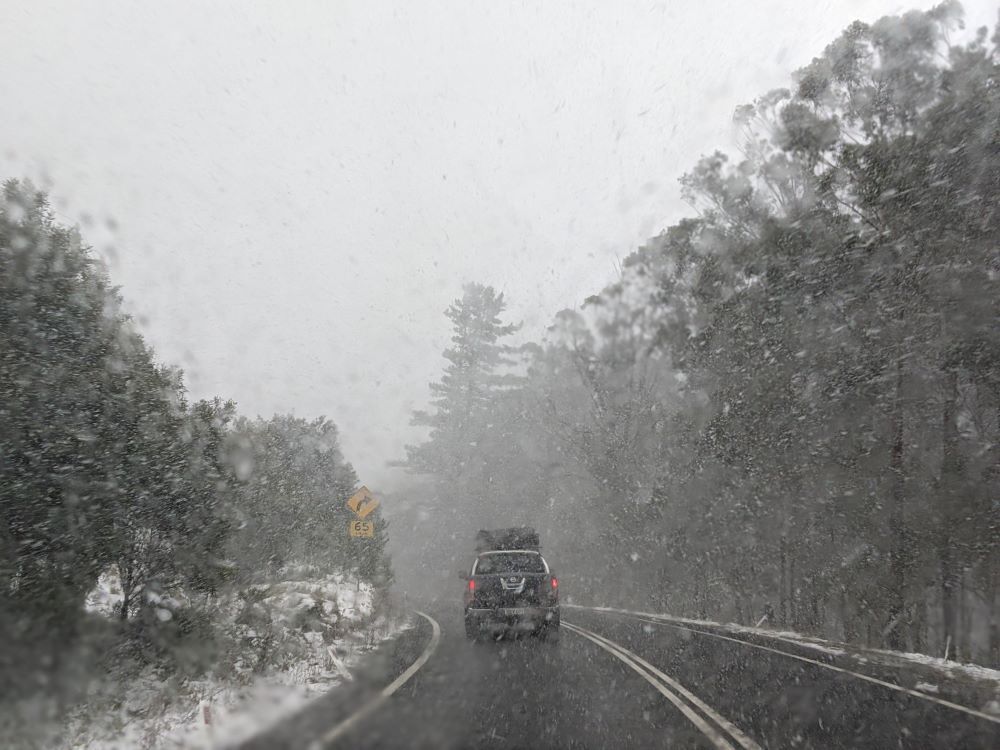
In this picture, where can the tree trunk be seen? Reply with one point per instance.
(992, 562)
(918, 625)
(783, 584)
(846, 619)
(127, 581)
(949, 584)
(947, 551)
(793, 604)
(965, 612)
(994, 647)
(895, 638)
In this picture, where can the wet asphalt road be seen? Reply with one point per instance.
(532, 694)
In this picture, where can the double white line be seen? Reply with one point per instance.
(679, 623)
(832, 668)
(686, 702)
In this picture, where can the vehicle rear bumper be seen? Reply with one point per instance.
(511, 618)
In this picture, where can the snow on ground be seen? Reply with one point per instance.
(106, 595)
(816, 644)
(318, 626)
(975, 671)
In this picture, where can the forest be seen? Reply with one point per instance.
(789, 402)
(108, 468)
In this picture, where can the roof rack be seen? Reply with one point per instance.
(511, 538)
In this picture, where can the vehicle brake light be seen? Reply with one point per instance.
(472, 584)
(555, 582)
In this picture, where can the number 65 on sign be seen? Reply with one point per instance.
(362, 528)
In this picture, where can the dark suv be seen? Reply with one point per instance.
(511, 591)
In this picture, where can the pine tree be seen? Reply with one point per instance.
(463, 425)
(471, 453)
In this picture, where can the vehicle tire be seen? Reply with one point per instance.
(551, 633)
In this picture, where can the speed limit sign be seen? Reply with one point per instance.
(362, 528)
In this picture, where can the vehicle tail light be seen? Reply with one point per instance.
(555, 583)
(472, 585)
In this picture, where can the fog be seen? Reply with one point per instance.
(296, 191)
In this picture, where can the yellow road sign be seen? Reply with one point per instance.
(362, 502)
(362, 528)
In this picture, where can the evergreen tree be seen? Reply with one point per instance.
(467, 432)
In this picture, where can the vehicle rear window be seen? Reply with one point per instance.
(509, 562)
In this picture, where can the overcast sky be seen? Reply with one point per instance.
(290, 193)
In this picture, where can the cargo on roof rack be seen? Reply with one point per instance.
(514, 537)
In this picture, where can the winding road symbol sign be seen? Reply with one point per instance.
(362, 502)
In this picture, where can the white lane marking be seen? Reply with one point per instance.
(665, 620)
(718, 718)
(650, 673)
(338, 731)
(695, 719)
